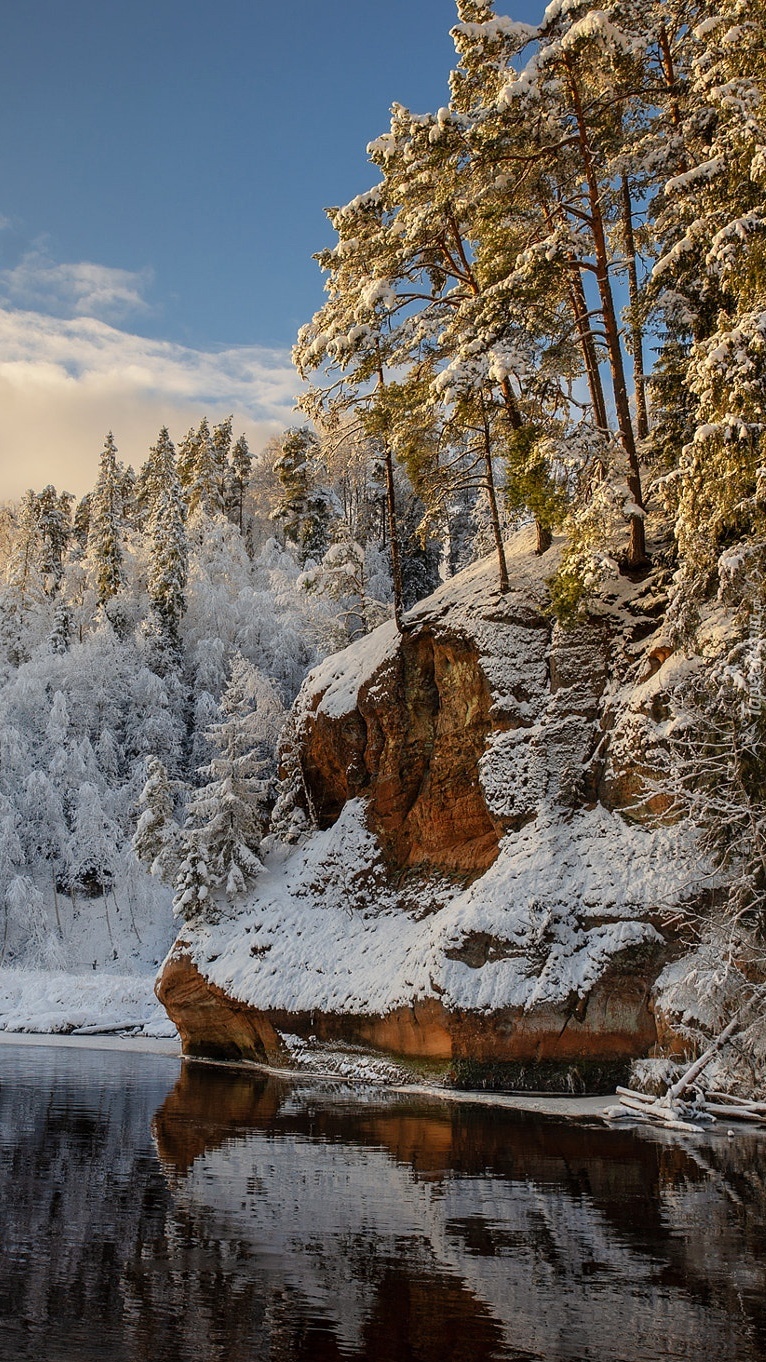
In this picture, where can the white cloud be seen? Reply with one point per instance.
(65, 382)
(81, 289)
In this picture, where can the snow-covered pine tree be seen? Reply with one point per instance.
(348, 342)
(341, 575)
(204, 489)
(22, 595)
(187, 458)
(54, 522)
(711, 285)
(240, 473)
(105, 530)
(81, 525)
(25, 573)
(11, 868)
(221, 438)
(155, 841)
(193, 884)
(168, 552)
(228, 815)
(304, 509)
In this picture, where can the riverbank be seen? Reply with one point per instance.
(38, 1001)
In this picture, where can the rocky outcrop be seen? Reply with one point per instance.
(412, 748)
(585, 1049)
(485, 879)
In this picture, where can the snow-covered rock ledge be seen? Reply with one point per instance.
(485, 882)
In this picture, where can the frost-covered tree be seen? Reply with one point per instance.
(239, 475)
(342, 576)
(168, 551)
(221, 438)
(54, 522)
(193, 885)
(304, 508)
(205, 490)
(105, 529)
(346, 346)
(11, 867)
(25, 570)
(710, 285)
(155, 840)
(227, 816)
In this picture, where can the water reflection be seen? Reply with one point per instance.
(304, 1224)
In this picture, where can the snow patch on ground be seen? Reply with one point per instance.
(43, 1001)
(105, 958)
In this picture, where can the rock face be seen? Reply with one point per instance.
(482, 885)
(411, 748)
(549, 1049)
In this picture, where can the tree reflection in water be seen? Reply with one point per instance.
(310, 1223)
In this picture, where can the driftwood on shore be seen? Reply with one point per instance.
(684, 1106)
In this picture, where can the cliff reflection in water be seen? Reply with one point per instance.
(402, 1230)
(263, 1222)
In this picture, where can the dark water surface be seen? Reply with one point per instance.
(167, 1213)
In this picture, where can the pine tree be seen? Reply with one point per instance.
(304, 508)
(155, 840)
(105, 531)
(61, 633)
(54, 522)
(240, 473)
(227, 816)
(710, 284)
(168, 555)
(205, 490)
(25, 573)
(81, 524)
(348, 342)
(221, 439)
(11, 865)
(193, 899)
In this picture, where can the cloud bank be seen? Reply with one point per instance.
(66, 381)
(80, 289)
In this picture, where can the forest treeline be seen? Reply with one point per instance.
(152, 636)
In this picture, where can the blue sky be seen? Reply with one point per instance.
(163, 171)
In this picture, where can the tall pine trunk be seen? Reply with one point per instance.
(492, 498)
(636, 333)
(543, 533)
(637, 540)
(393, 527)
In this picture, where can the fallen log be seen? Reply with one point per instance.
(686, 1079)
(736, 1113)
(109, 1028)
(639, 1096)
(654, 1110)
(732, 1100)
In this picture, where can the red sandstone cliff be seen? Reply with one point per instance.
(481, 882)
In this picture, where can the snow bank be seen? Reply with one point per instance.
(43, 1001)
(301, 945)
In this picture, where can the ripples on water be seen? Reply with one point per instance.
(215, 1215)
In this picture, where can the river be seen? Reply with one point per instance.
(153, 1210)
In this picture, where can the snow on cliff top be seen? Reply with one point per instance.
(468, 599)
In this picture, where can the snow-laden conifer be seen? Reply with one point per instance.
(155, 840)
(105, 529)
(227, 816)
(168, 552)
